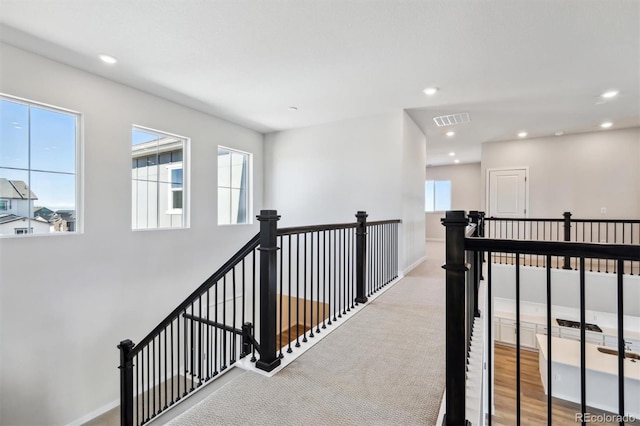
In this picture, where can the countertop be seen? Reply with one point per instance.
(567, 351)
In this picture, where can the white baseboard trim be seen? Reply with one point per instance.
(412, 266)
(439, 240)
(95, 413)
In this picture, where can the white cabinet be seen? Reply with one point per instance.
(507, 333)
(528, 335)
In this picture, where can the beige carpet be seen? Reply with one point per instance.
(384, 366)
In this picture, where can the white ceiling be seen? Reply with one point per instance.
(534, 65)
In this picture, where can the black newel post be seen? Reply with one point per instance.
(268, 289)
(456, 351)
(474, 217)
(126, 383)
(361, 257)
(567, 237)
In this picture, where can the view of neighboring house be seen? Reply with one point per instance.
(19, 216)
(156, 177)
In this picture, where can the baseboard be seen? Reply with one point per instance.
(439, 240)
(412, 266)
(95, 413)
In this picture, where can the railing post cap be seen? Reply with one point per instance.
(455, 217)
(566, 214)
(126, 345)
(268, 215)
(360, 214)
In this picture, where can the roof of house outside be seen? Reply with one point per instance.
(6, 218)
(15, 189)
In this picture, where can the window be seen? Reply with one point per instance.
(233, 186)
(157, 179)
(437, 195)
(38, 165)
(175, 190)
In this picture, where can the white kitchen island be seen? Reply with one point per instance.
(601, 375)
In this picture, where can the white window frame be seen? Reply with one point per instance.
(5, 205)
(79, 166)
(249, 189)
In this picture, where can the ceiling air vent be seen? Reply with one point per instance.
(450, 120)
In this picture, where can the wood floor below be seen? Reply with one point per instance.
(533, 401)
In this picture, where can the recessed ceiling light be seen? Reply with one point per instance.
(522, 134)
(606, 124)
(451, 154)
(560, 133)
(107, 59)
(430, 91)
(450, 134)
(610, 94)
(456, 161)
(293, 108)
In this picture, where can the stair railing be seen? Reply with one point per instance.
(280, 289)
(465, 248)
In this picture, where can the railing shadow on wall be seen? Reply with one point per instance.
(466, 248)
(281, 289)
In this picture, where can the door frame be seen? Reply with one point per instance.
(526, 186)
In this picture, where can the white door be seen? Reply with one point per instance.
(507, 193)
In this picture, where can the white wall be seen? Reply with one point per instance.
(67, 300)
(414, 158)
(466, 193)
(578, 173)
(324, 174)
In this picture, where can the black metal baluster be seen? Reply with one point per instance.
(311, 286)
(234, 350)
(149, 388)
(166, 373)
(137, 392)
(489, 317)
(153, 375)
(253, 303)
(200, 341)
(304, 329)
(324, 278)
(518, 387)
(298, 290)
(341, 284)
(216, 331)
(141, 390)
(345, 276)
(336, 290)
(208, 356)
(318, 283)
(621, 347)
(599, 226)
(549, 375)
(223, 349)
(289, 248)
(171, 369)
(192, 368)
(178, 357)
(350, 296)
(583, 337)
(281, 272)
